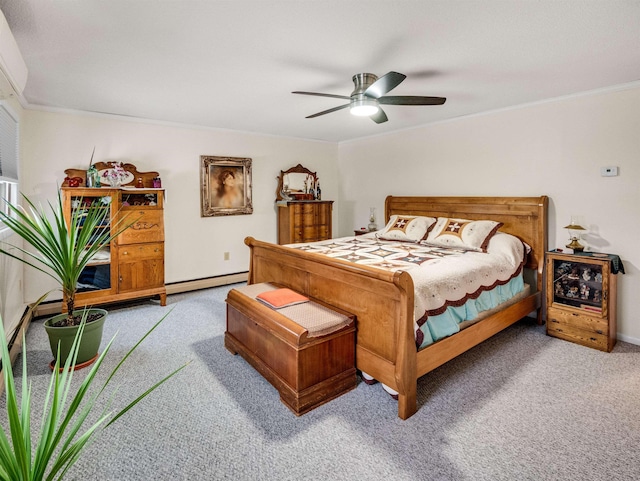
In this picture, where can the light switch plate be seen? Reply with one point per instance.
(608, 171)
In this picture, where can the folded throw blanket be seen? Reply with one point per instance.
(282, 297)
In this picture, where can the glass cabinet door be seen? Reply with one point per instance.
(579, 285)
(144, 198)
(97, 275)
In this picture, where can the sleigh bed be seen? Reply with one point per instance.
(383, 301)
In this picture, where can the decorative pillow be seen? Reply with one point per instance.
(279, 298)
(406, 228)
(470, 234)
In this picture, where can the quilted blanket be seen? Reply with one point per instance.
(445, 279)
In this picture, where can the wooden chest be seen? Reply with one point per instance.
(306, 371)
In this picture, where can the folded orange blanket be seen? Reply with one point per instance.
(282, 297)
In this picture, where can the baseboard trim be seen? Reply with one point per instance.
(55, 307)
(629, 339)
(197, 284)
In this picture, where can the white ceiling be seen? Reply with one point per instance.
(233, 64)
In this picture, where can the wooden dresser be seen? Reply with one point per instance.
(304, 221)
(132, 266)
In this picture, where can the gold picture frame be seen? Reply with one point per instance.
(225, 186)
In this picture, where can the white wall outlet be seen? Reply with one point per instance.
(608, 171)
(226, 256)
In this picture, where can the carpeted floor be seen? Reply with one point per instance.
(522, 406)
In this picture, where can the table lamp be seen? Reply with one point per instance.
(574, 235)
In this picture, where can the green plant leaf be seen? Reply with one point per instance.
(63, 435)
(61, 249)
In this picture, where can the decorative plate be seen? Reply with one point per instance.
(125, 180)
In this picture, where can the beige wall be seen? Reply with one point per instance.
(53, 142)
(553, 148)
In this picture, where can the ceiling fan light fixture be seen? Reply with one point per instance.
(364, 107)
(370, 92)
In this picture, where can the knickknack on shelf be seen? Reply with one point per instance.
(129, 177)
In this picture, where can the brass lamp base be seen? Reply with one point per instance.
(575, 245)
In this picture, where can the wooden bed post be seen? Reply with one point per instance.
(249, 242)
(405, 365)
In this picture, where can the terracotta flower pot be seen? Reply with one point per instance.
(64, 336)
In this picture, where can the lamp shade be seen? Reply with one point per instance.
(574, 227)
(364, 107)
(574, 237)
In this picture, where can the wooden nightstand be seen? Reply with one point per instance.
(581, 292)
(360, 231)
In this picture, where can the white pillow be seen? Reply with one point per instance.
(470, 234)
(409, 228)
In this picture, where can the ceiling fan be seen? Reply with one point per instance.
(370, 92)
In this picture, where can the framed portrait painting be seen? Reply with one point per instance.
(225, 186)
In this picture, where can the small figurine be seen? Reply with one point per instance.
(574, 273)
(573, 292)
(584, 291)
(586, 274)
(73, 181)
(596, 296)
(559, 291)
(599, 277)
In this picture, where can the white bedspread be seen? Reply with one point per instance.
(444, 278)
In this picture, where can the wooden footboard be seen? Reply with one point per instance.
(383, 301)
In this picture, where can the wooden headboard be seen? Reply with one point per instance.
(524, 217)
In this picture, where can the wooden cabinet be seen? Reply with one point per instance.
(132, 266)
(581, 292)
(140, 267)
(304, 221)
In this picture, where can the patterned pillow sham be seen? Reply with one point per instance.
(408, 228)
(470, 234)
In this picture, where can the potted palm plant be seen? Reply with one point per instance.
(62, 251)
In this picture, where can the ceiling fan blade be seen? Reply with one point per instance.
(323, 95)
(328, 111)
(411, 100)
(384, 84)
(379, 117)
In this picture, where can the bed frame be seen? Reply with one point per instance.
(383, 301)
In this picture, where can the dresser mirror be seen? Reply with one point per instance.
(293, 184)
